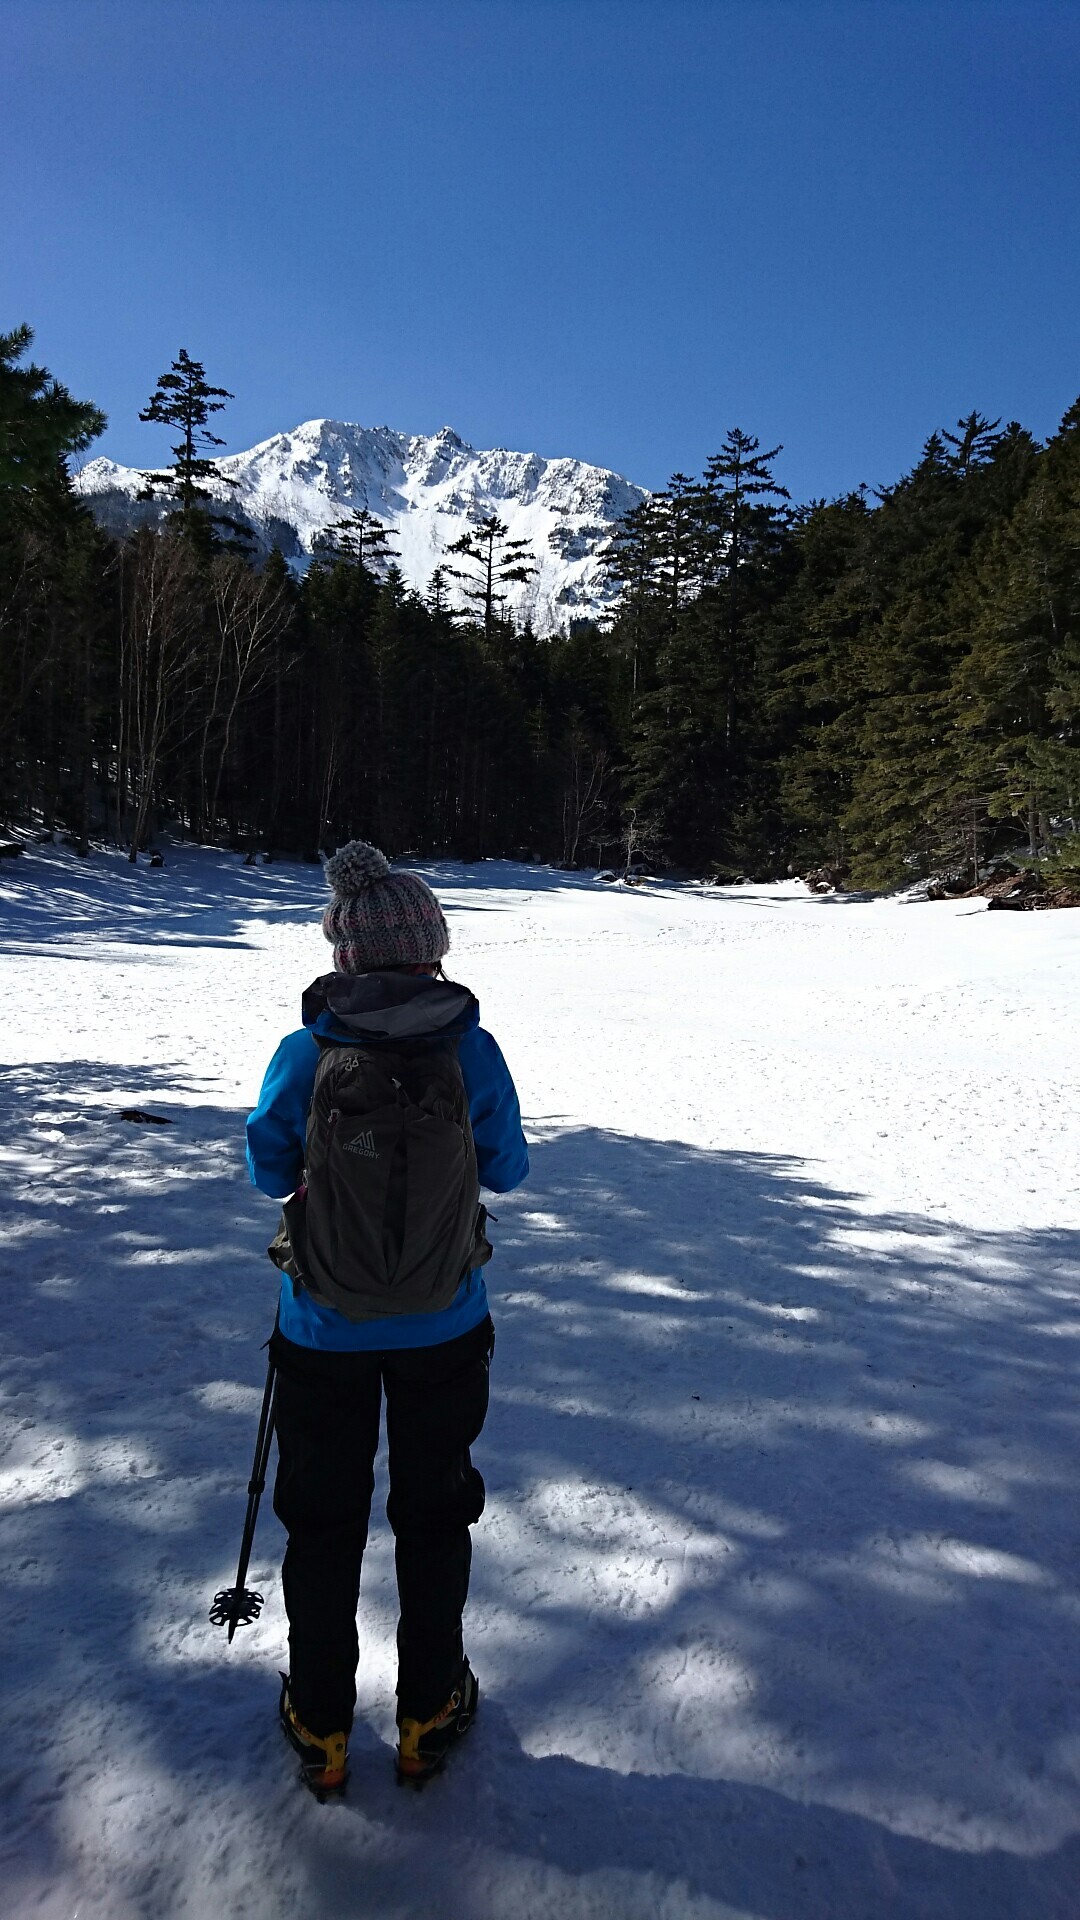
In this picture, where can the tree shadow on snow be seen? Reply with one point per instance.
(203, 897)
(772, 1604)
(199, 898)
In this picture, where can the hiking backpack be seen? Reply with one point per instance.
(389, 1217)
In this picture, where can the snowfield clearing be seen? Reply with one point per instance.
(775, 1602)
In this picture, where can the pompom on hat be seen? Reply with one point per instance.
(379, 918)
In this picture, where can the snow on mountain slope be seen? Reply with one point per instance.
(428, 490)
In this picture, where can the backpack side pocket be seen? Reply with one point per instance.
(288, 1248)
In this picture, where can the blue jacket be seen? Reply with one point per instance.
(275, 1155)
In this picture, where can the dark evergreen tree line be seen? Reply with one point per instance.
(889, 682)
(885, 683)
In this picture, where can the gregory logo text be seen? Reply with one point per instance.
(364, 1143)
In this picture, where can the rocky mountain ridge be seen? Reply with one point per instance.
(427, 489)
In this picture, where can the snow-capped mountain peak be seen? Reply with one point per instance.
(427, 489)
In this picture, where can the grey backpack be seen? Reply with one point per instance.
(389, 1218)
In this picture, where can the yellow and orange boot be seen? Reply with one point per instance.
(423, 1745)
(323, 1759)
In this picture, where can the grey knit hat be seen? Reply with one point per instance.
(378, 918)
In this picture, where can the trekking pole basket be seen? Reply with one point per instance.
(238, 1606)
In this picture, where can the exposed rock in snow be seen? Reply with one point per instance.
(427, 490)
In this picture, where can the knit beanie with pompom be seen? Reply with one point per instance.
(378, 918)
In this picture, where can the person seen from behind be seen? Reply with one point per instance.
(381, 1117)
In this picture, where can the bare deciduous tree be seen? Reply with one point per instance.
(250, 613)
(586, 788)
(161, 628)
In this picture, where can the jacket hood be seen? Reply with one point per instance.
(388, 1006)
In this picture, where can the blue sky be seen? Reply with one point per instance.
(611, 230)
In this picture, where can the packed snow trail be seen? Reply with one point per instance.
(775, 1603)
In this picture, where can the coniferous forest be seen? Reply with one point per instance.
(886, 684)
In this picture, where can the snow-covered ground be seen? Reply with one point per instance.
(775, 1601)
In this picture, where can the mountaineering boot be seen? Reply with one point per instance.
(323, 1761)
(423, 1745)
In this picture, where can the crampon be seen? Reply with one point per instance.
(323, 1759)
(425, 1745)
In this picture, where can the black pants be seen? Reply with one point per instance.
(328, 1434)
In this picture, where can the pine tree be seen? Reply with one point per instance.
(633, 563)
(741, 527)
(438, 597)
(816, 698)
(360, 539)
(495, 562)
(40, 422)
(676, 781)
(184, 398)
(918, 799)
(680, 517)
(55, 602)
(976, 442)
(1017, 687)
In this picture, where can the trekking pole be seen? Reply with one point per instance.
(238, 1606)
